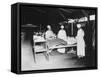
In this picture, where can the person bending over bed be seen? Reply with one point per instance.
(49, 35)
(62, 35)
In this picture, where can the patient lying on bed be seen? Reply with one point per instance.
(55, 42)
(59, 44)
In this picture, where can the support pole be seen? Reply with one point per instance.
(72, 28)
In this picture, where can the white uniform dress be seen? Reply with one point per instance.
(80, 43)
(49, 34)
(62, 35)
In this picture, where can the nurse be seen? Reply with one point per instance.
(62, 35)
(49, 35)
(80, 42)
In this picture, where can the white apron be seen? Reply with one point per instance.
(80, 43)
(62, 35)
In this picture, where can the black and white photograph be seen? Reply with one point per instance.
(57, 37)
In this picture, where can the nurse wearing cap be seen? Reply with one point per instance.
(80, 42)
(49, 35)
(62, 35)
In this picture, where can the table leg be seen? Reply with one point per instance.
(34, 55)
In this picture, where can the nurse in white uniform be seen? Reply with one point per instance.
(49, 35)
(62, 35)
(80, 42)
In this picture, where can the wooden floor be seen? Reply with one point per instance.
(56, 60)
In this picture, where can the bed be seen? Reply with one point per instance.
(53, 44)
(59, 43)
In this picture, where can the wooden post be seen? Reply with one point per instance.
(72, 28)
